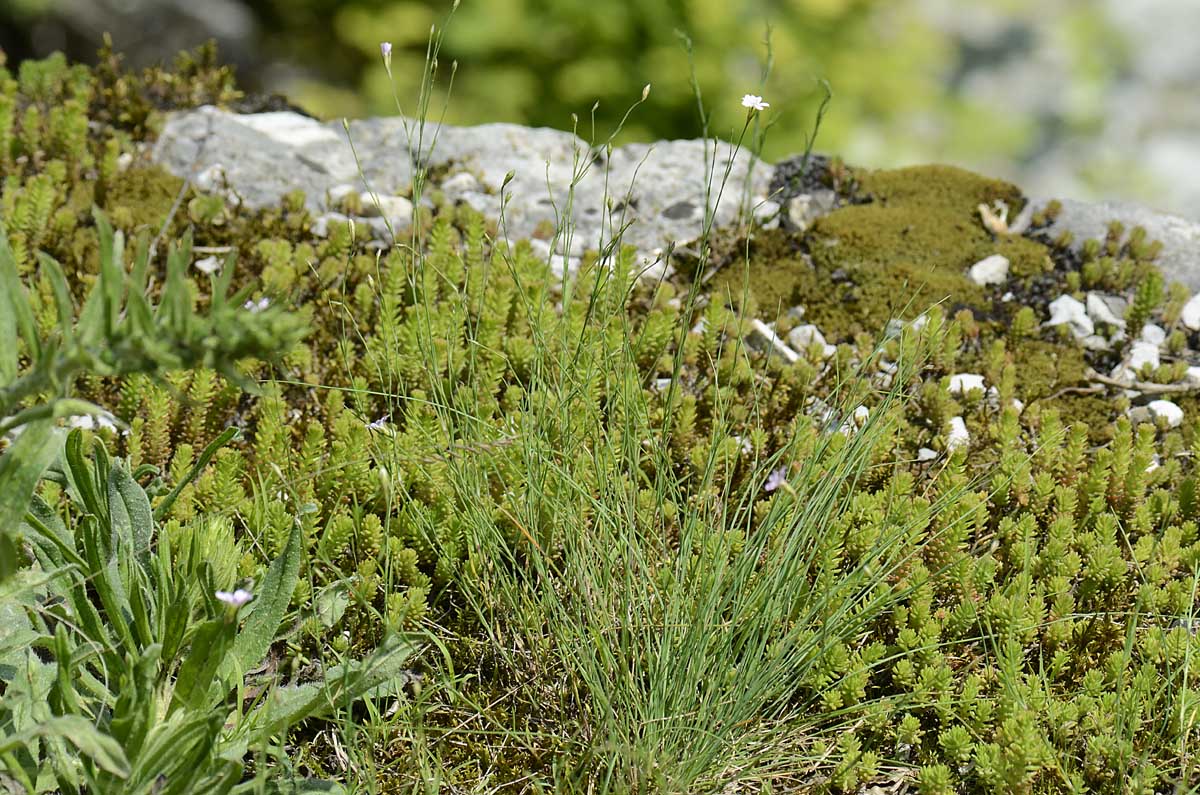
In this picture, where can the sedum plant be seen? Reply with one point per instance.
(120, 330)
(124, 667)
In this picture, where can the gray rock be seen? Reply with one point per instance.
(1180, 238)
(262, 156)
(658, 189)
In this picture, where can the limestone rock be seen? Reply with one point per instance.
(1180, 238)
(990, 270)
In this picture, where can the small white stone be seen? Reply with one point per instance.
(801, 337)
(800, 211)
(1067, 310)
(1018, 405)
(1190, 316)
(208, 265)
(1167, 410)
(1008, 296)
(124, 161)
(1193, 375)
(795, 313)
(958, 435)
(855, 421)
(1142, 353)
(925, 454)
(1155, 335)
(766, 213)
(990, 270)
(761, 337)
(962, 383)
(1100, 311)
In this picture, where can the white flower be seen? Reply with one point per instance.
(379, 424)
(754, 102)
(385, 47)
(208, 265)
(235, 599)
(257, 306)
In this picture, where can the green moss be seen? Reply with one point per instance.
(905, 241)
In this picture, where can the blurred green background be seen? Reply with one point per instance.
(1085, 98)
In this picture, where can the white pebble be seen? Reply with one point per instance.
(1066, 309)
(1190, 316)
(803, 336)
(766, 213)
(925, 454)
(1155, 335)
(761, 337)
(1100, 311)
(989, 270)
(958, 436)
(208, 265)
(962, 383)
(1167, 410)
(1142, 353)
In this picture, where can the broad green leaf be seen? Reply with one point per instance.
(209, 648)
(44, 528)
(16, 315)
(21, 467)
(172, 747)
(62, 294)
(112, 270)
(79, 732)
(132, 517)
(271, 601)
(79, 473)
